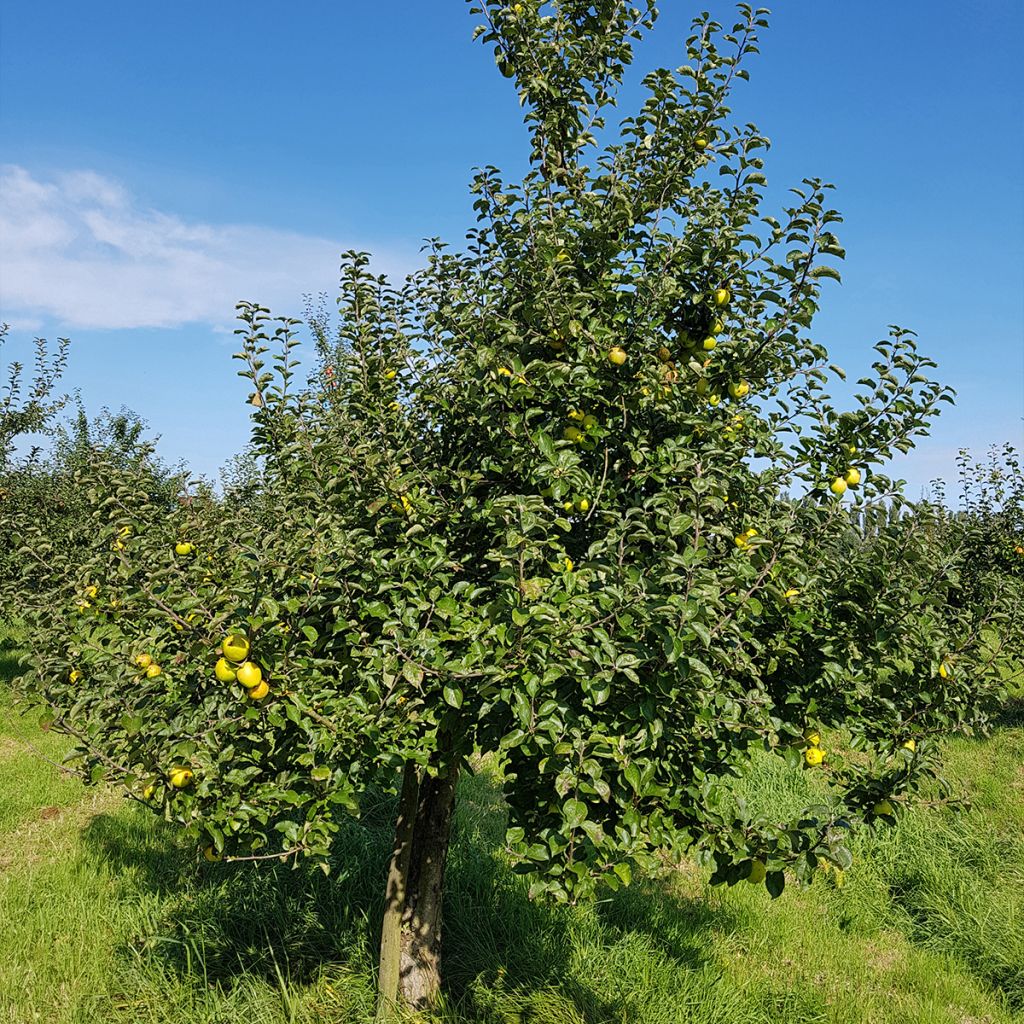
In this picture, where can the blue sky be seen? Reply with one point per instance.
(162, 161)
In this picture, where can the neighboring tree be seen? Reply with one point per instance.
(26, 410)
(576, 498)
(48, 525)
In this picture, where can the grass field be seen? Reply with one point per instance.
(108, 916)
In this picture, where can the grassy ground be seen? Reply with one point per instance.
(108, 916)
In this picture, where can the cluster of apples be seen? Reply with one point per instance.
(579, 423)
(814, 754)
(235, 666)
(839, 486)
(148, 666)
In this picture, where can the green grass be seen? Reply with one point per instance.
(109, 916)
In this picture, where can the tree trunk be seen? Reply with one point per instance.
(421, 923)
(410, 950)
(389, 972)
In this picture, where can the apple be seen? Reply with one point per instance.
(838, 486)
(235, 647)
(617, 355)
(153, 670)
(180, 777)
(249, 674)
(722, 296)
(184, 548)
(739, 389)
(259, 691)
(852, 477)
(223, 671)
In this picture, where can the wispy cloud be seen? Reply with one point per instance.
(78, 248)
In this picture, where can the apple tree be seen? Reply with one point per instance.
(576, 497)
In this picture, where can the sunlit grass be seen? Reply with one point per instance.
(110, 916)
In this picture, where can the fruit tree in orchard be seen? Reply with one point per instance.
(576, 497)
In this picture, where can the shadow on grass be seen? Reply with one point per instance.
(1010, 715)
(214, 923)
(9, 655)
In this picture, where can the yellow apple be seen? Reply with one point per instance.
(739, 389)
(249, 674)
(153, 670)
(709, 344)
(183, 548)
(144, 660)
(722, 296)
(852, 477)
(259, 691)
(583, 505)
(838, 486)
(700, 143)
(589, 422)
(74, 675)
(235, 647)
(572, 434)
(180, 777)
(223, 671)
(814, 756)
(617, 355)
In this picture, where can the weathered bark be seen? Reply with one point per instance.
(421, 923)
(389, 972)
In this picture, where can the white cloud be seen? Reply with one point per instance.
(79, 249)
